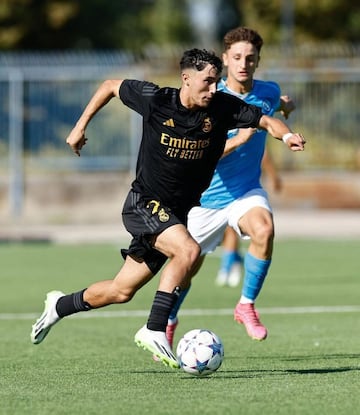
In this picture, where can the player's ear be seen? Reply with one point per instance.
(185, 78)
(225, 59)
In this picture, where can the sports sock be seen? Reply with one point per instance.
(161, 308)
(228, 259)
(177, 305)
(255, 272)
(238, 258)
(71, 304)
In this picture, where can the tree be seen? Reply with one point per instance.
(323, 20)
(91, 24)
(134, 24)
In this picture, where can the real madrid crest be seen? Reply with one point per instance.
(207, 126)
(163, 216)
(156, 208)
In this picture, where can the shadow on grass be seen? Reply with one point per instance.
(321, 357)
(254, 373)
(257, 373)
(247, 374)
(263, 373)
(320, 371)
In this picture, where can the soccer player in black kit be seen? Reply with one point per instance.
(184, 135)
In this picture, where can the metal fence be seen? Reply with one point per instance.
(41, 96)
(327, 112)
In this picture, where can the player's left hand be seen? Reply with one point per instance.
(296, 142)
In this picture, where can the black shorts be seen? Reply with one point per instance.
(144, 218)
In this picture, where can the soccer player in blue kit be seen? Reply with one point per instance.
(235, 196)
(231, 262)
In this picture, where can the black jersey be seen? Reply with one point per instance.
(180, 147)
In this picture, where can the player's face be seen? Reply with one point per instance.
(241, 61)
(199, 87)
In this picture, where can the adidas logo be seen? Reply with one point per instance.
(164, 351)
(169, 123)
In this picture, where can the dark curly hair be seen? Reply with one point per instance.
(198, 59)
(243, 34)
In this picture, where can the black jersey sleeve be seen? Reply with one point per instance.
(248, 116)
(238, 113)
(137, 95)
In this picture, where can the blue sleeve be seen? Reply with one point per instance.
(275, 95)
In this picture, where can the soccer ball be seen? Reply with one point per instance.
(200, 352)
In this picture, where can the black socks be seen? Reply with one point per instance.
(161, 308)
(158, 319)
(71, 304)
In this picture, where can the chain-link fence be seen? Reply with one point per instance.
(42, 95)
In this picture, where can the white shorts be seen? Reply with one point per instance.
(207, 226)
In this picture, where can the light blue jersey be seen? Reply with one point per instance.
(240, 171)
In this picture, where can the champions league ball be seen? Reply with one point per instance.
(200, 352)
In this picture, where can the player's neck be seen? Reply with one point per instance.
(186, 101)
(239, 87)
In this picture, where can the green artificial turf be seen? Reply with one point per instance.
(89, 363)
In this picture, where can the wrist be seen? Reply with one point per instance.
(286, 136)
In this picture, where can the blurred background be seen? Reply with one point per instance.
(55, 53)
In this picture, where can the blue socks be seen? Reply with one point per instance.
(228, 259)
(177, 305)
(255, 272)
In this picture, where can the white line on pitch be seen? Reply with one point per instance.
(195, 312)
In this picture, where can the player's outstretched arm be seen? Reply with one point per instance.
(279, 130)
(107, 90)
(240, 138)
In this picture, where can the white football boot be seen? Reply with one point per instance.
(48, 318)
(157, 343)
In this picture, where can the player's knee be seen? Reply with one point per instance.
(195, 251)
(122, 296)
(265, 233)
(190, 254)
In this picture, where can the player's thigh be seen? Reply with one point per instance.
(250, 210)
(256, 220)
(176, 241)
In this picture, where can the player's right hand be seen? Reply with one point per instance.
(76, 140)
